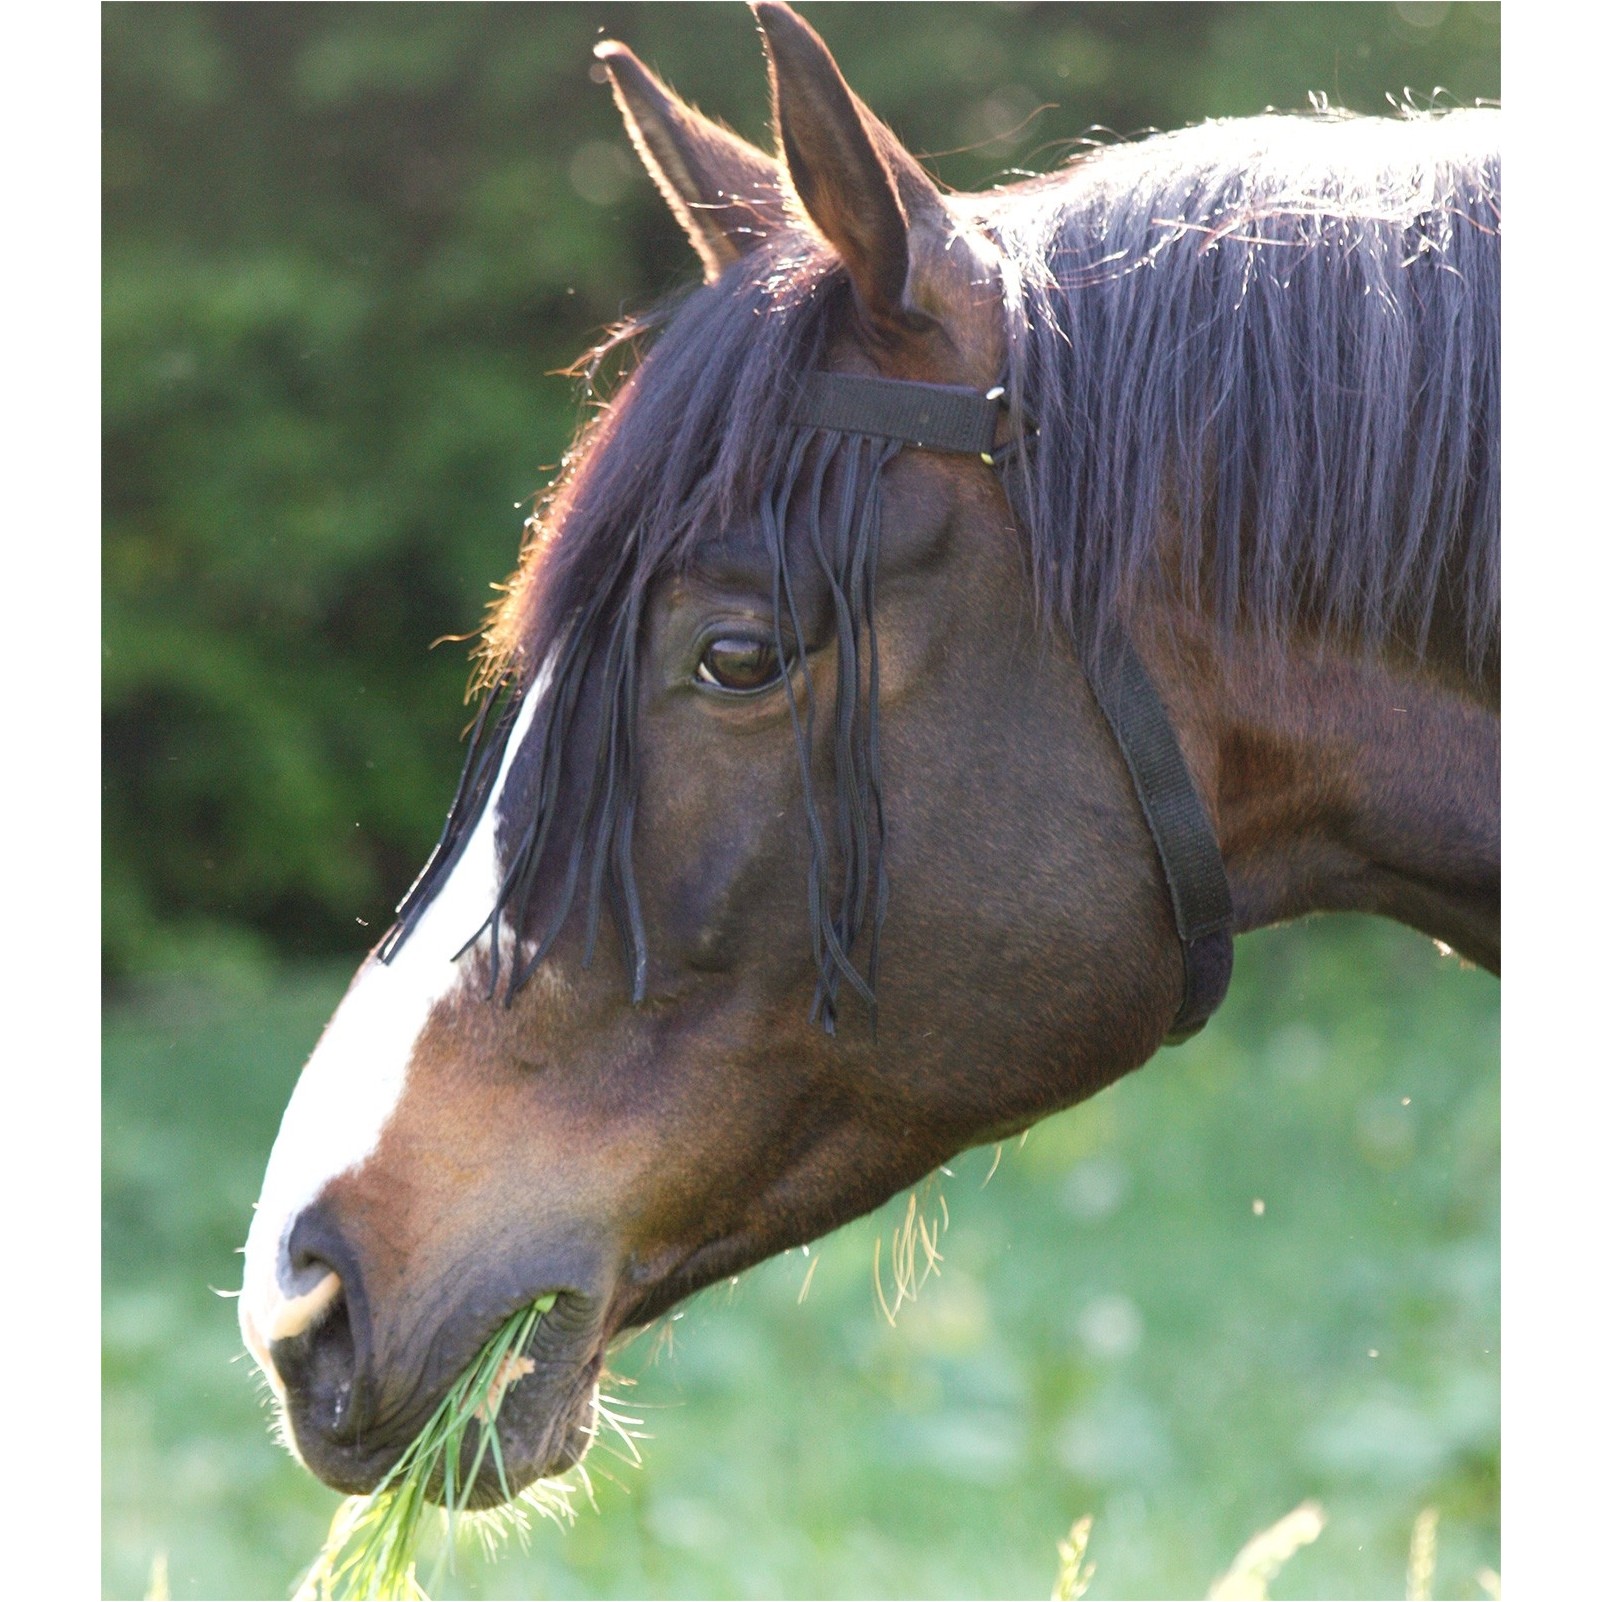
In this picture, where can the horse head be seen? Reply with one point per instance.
(794, 854)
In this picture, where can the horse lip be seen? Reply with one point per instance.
(546, 1418)
(544, 1422)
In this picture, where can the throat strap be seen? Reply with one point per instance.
(954, 418)
(1180, 828)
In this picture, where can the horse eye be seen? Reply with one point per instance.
(739, 663)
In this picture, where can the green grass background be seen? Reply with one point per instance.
(1115, 1329)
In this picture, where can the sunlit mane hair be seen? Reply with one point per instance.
(1281, 336)
(1272, 342)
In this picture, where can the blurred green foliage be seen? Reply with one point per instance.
(345, 248)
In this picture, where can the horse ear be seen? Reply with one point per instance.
(727, 195)
(863, 191)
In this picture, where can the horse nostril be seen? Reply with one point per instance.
(293, 1315)
(311, 1253)
(318, 1334)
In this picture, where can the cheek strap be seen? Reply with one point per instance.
(963, 421)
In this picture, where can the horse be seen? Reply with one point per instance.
(969, 614)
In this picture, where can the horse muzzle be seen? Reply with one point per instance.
(356, 1389)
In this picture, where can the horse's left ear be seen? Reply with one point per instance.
(727, 195)
(908, 258)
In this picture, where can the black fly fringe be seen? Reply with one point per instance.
(847, 881)
(603, 834)
(598, 656)
(497, 713)
(606, 805)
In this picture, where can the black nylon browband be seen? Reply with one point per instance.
(934, 417)
(952, 417)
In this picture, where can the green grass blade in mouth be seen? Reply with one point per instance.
(372, 1544)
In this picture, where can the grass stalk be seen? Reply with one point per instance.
(372, 1544)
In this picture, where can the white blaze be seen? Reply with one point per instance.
(353, 1081)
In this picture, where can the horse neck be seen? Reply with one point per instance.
(1342, 780)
